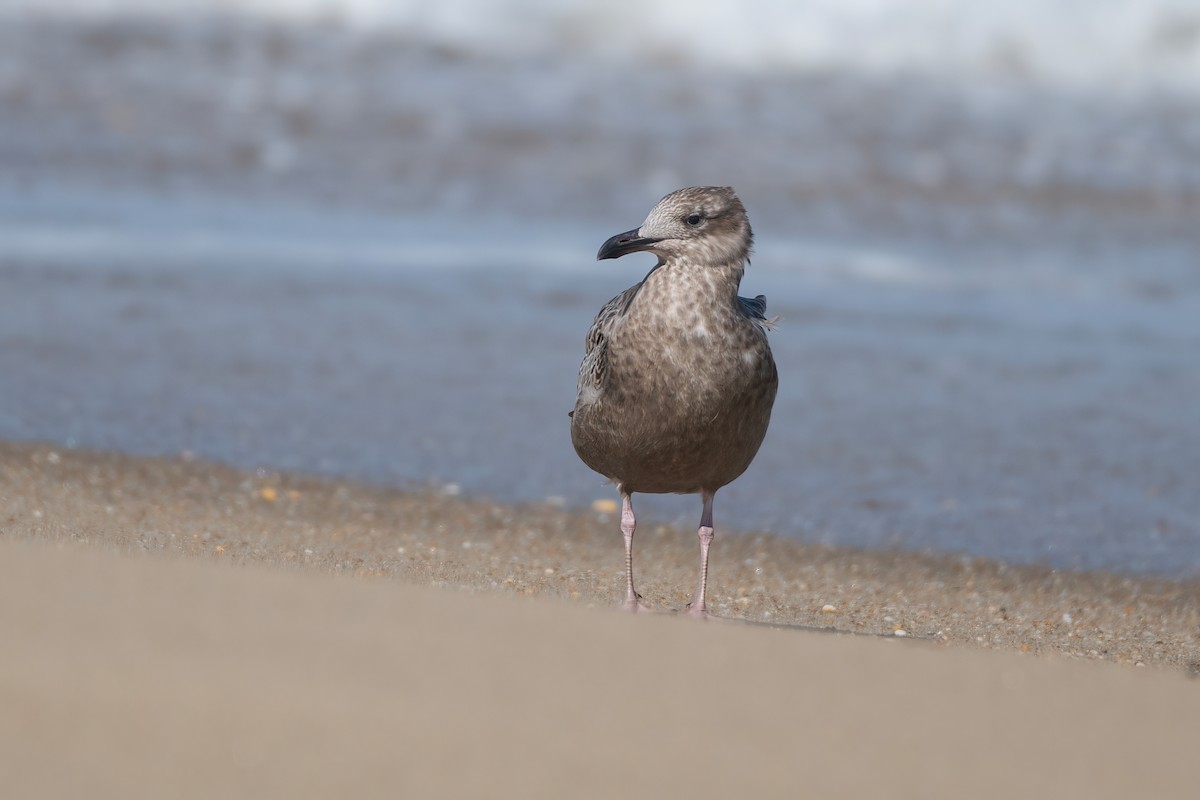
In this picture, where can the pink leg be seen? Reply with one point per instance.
(698, 608)
(628, 526)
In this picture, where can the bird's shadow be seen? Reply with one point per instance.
(785, 626)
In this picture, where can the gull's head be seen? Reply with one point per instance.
(705, 225)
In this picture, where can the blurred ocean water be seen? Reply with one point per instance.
(1106, 44)
(356, 239)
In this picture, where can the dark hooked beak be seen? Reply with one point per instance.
(623, 244)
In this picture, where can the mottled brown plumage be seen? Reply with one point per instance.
(677, 380)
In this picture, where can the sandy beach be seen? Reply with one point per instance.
(179, 628)
(356, 239)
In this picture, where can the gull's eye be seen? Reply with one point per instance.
(694, 220)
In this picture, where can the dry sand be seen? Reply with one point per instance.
(176, 675)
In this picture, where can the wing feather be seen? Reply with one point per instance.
(595, 358)
(756, 310)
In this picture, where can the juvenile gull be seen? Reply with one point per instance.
(677, 379)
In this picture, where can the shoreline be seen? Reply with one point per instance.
(192, 509)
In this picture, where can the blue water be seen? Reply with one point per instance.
(372, 258)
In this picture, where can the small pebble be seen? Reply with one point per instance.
(604, 506)
(899, 632)
(828, 609)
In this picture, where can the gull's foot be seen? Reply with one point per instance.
(697, 611)
(634, 604)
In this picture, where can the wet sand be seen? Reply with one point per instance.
(196, 510)
(175, 628)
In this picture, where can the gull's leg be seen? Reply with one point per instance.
(697, 608)
(628, 525)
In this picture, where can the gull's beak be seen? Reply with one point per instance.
(625, 243)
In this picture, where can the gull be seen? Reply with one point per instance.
(677, 380)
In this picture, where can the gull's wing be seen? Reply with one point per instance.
(595, 355)
(756, 310)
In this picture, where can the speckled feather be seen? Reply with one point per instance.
(677, 381)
